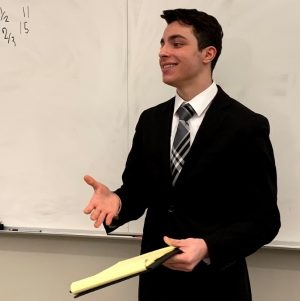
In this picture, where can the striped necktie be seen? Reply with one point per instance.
(181, 144)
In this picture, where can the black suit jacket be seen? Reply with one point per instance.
(225, 194)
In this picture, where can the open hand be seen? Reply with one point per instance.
(104, 204)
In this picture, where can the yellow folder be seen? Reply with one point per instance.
(123, 270)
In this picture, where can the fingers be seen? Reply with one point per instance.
(92, 182)
(100, 219)
(103, 205)
(108, 219)
(97, 216)
(89, 208)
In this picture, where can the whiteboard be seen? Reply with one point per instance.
(74, 86)
(63, 108)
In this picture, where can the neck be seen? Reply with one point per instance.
(189, 92)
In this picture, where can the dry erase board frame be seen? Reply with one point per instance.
(81, 50)
(67, 233)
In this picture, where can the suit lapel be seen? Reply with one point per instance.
(207, 131)
(164, 122)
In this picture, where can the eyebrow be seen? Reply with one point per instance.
(172, 38)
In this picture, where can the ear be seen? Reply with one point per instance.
(208, 54)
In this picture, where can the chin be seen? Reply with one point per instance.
(169, 82)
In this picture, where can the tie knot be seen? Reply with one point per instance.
(185, 112)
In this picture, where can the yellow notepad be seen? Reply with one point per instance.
(123, 270)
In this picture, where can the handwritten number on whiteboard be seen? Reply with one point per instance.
(8, 36)
(24, 28)
(3, 17)
(6, 32)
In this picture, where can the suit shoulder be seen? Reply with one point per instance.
(161, 106)
(156, 114)
(238, 115)
(250, 116)
(242, 112)
(161, 109)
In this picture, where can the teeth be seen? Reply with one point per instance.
(168, 66)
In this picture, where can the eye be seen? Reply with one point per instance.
(177, 44)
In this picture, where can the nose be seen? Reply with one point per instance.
(163, 51)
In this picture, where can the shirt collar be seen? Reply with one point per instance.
(200, 101)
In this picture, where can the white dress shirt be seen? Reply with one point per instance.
(200, 104)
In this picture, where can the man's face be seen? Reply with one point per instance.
(180, 60)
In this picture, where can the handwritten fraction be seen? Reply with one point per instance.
(8, 32)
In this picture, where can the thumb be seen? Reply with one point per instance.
(90, 181)
(173, 242)
(169, 241)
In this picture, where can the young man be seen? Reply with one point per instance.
(215, 198)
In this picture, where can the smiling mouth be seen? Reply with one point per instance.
(168, 66)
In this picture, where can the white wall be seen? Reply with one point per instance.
(41, 268)
(275, 275)
(35, 268)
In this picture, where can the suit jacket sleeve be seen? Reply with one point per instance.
(132, 192)
(257, 219)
